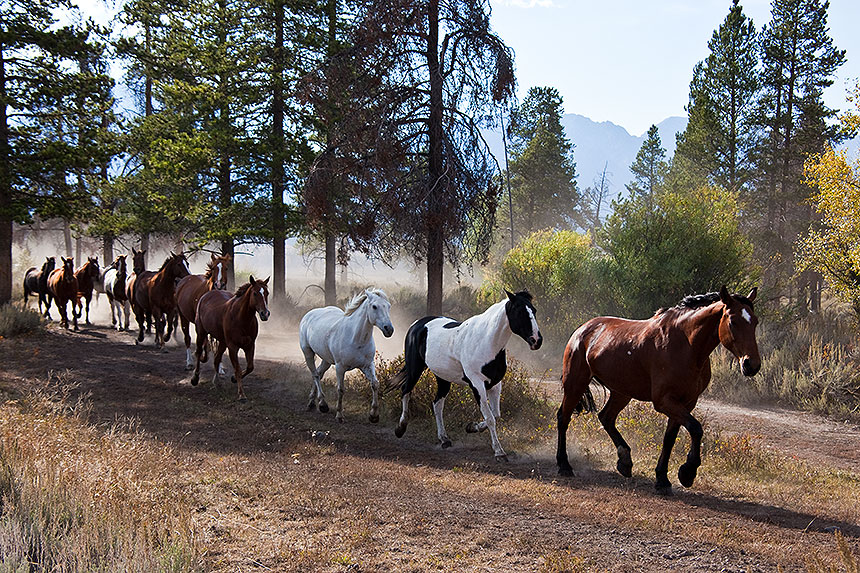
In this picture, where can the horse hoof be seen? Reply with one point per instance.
(374, 418)
(323, 407)
(472, 428)
(502, 458)
(195, 380)
(687, 475)
(664, 490)
(189, 367)
(399, 431)
(566, 471)
(243, 400)
(339, 419)
(446, 444)
(624, 468)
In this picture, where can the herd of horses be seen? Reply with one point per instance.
(664, 359)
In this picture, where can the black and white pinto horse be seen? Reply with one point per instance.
(471, 353)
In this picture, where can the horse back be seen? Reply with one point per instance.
(31, 280)
(316, 327)
(188, 293)
(139, 289)
(210, 311)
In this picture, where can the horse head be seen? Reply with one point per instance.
(521, 318)
(120, 265)
(737, 329)
(49, 265)
(138, 264)
(177, 265)
(92, 265)
(215, 270)
(378, 310)
(68, 267)
(259, 293)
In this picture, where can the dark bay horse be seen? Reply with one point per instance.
(87, 276)
(131, 285)
(36, 282)
(63, 286)
(232, 321)
(665, 360)
(188, 293)
(153, 296)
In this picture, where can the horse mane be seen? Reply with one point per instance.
(240, 292)
(210, 268)
(167, 262)
(697, 301)
(359, 298)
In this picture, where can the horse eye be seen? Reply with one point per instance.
(373, 306)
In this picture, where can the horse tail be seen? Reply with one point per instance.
(395, 382)
(586, 403)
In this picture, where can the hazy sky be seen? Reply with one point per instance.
(631, 61)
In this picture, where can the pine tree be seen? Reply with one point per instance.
(649, 168)
(719, 136)
(543, 173)
(799, 62)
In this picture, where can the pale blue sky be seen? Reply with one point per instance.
(630, 61)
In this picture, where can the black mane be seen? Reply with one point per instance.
(694, 301)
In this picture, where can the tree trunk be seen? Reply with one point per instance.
(107, 249)
(279, 243)
(67, 237)
(78, 250)
(330, 269)
(144, 246)
(5, 193)
(435, 234)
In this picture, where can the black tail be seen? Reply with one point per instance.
(394, 382)
(586, 403)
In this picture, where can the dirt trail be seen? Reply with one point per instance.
(279, 488)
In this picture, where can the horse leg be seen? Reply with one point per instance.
(442, 389)
(575, 378)
(88, 299)
(341, 372)
(158, 314)
(216, 362)
(112, 315)
(189, 364)
(316, 398)
(139, 316)
(48, 299)
(369, 372)
(663, 486)
(480, 390)
(64, 319)
(607, 416)
(75, 317)
(233, 351)
(679, 414)
(126, 312)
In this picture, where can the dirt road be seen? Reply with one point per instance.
(278, 488)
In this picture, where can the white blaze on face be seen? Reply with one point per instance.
(219, 274)
(185, 264)
(535, 329)
(745, 313)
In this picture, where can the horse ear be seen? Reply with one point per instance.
(265, 282)
(133, 251)
(752, 294)
(510, 294)
(251, 279)
(724, 295)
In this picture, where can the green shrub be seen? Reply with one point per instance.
(17, 319)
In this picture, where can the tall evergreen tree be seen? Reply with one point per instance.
(719, 136)
(39, 87)
(649, 168)
(799, 61)
(543, 173)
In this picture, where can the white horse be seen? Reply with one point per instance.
(114, 287)
(471, 353)
(345, 338)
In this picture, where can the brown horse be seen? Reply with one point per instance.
(36, 282)
(665, 360)
(63, 286)
(87, 275)
(131, 286)
(188, 293)
(153, 296)
(231, 320)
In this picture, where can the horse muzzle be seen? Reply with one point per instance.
(748, 367)
(387, 330)
(264, 315)
(534, 343)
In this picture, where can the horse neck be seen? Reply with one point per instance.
(358, 325)
(702, 328)
(495, 320)
(246, 309)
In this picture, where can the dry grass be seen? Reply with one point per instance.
(80, 498)
(16, 319)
